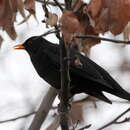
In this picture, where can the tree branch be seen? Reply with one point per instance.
(65, 79)
(43, 109)
(19, 117)
(115, 120)
(101, 38)
(85, 127)
(49, 32)
(59, 5)
(65, 84)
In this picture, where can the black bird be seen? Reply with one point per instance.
(87, 77)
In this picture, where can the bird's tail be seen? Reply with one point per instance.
(100, 96)
(121, 93)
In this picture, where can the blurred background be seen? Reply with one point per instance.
(22, 89)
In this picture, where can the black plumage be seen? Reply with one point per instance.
(87, 77)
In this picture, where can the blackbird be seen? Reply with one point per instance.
(86, 77)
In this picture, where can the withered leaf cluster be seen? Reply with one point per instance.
(8, 12)
(109, 15)
(97, 17)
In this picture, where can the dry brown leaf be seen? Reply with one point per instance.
(52, 19)
(102, 22)
(119, 15)
(69, 21)
(7, 18)
(11, 31)
(76, 112)
(2, 8)
(9, 8)
(18, 5)
(78, 24)
(94, 7)
(30, 6)
(109, 15)
(70, 25)
(86, 29)
(6, 13)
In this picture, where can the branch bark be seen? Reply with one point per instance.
(18, 118)
(65, 84)
(43, 109)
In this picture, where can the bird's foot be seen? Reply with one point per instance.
(60, 107)
(68, 104)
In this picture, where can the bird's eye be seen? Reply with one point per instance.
(30, 42)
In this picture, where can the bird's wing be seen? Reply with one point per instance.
(110, 85)
(86, 68)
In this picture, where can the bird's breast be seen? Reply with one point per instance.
(47, 70)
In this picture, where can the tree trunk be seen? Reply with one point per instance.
(43, 109)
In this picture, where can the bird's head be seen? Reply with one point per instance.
(31, 45)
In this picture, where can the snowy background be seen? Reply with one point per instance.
(22, 89)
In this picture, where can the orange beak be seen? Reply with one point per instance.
(19, 46)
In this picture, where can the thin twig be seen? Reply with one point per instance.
(85, 127)
(101, 38)
(41, 1)
(76, 124)
(50, 3)
(54, 4)
(115, 120)
(49, 32)
(19, 117)
(44, 6)
(59, 5)
(123, 121)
